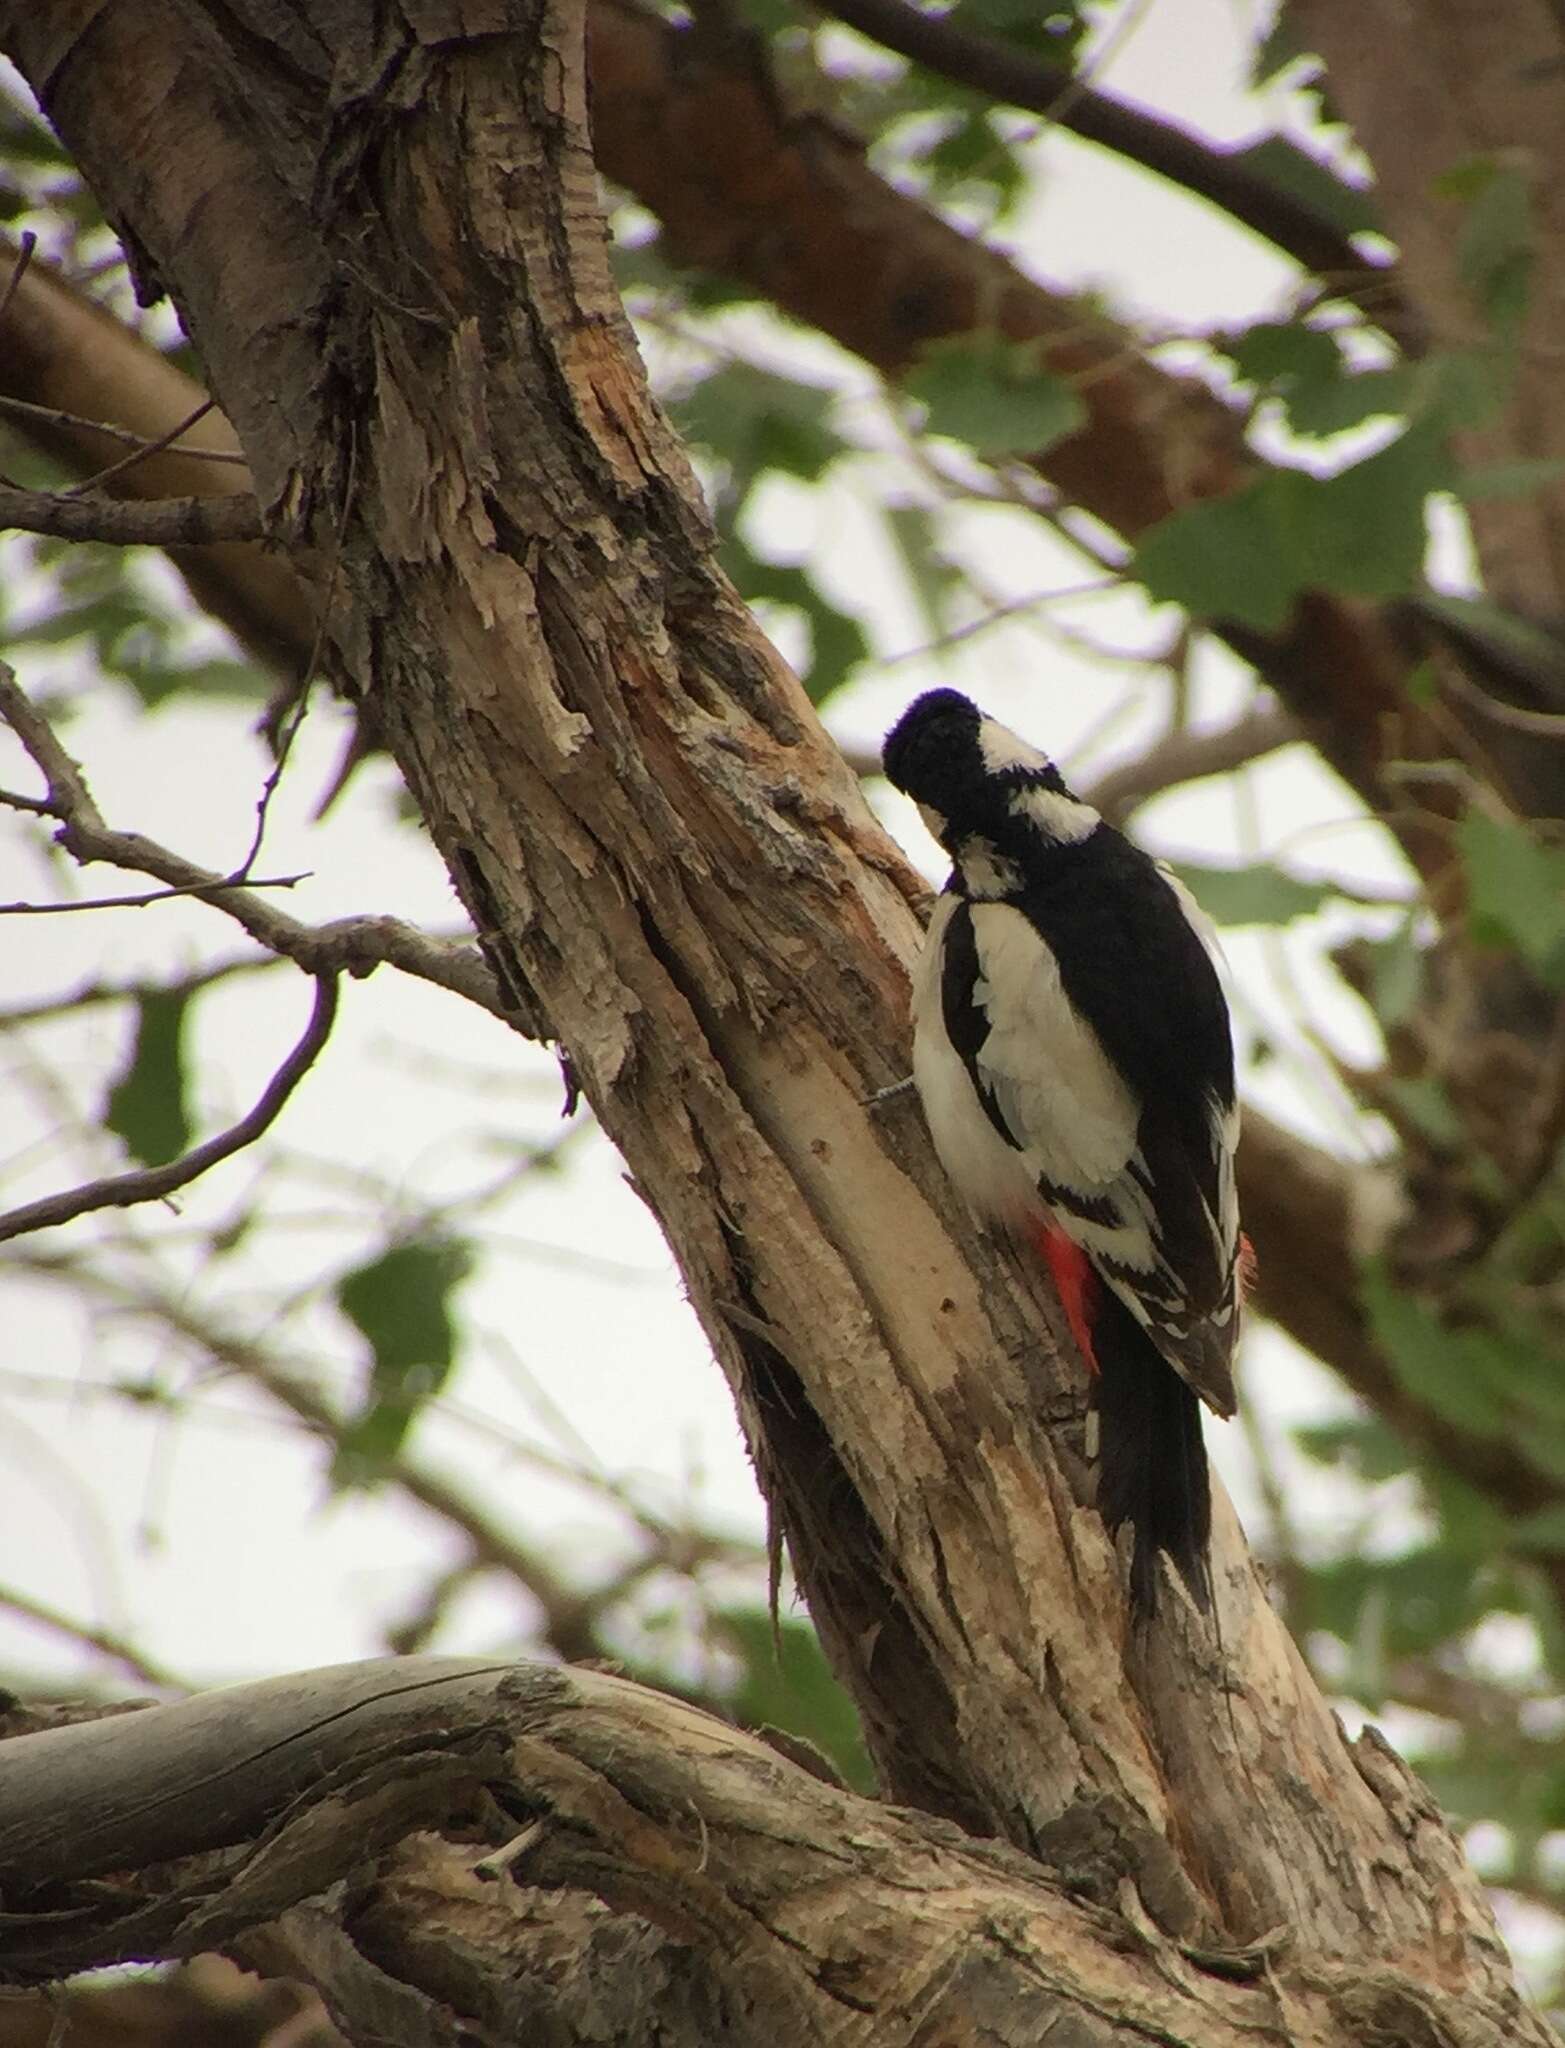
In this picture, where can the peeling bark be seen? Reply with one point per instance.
(446, 1847)
(382, 231)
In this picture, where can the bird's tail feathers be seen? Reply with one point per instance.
(1152, 1470)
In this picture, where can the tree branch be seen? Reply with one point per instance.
(350, 945)
(563, 1851)
(102, 1642)
(1018, 78)
(153, 1183)
(1185, 756)
(123, 522)
(74, 379)
(568, 1615)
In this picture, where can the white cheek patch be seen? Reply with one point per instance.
(1063, 819)
(1002, 750)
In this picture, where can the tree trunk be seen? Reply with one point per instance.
(381, 229)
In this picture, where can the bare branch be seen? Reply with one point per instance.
(105, 1642)
(568, 1617)
(139, 899)
(1177, 758)
(349, 945)
(152, 1183)
(55, 416)
(180, 427)
(1188, 756)
(1021, 79)
(89, 995)
(24, 256)
(153, 523)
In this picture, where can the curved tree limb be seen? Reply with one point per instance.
(154, 1183)
(567, 1853)
(1016, 77)
(72, 364)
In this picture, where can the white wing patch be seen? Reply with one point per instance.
(1060, 1095)
(990, 1175)
(1075, 1122)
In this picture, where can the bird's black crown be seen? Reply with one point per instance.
(935, 753)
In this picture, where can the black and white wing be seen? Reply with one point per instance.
(1064, 1064)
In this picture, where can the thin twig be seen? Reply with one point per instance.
(24, 256)
(132, 522)
(288, 728)
(492, 1544)
(152, 1183)
(104, 1641)
(350, 945)
(88, 995)
(52, 416)
(165, 440)
(141, 898)
(1005, 72)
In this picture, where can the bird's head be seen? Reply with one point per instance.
(984, 793)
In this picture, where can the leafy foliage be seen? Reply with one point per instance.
(1259, 894)
(146, 1105)
(997, 396)
(786, 1683)
(401, 1303)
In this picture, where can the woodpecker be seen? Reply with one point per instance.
(1072, 1052)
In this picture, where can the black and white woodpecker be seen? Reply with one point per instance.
(1072, 1052)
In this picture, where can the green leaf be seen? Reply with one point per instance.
(932, 577)
(1282, 353)
(998, 396)
(788, 1684)
(1423, 1101)
(400, 1302)
(1495, 250)
(1362, 532)
(837, 641)
(146, 1106)
(1363, 1445)
(1350, 398)
(1396, 973)
(1444, 1367)
(1281, 46)
(1259, 894)
(1282, 164)
(1543, 1531)
(1457, 388)
(755, 420)
(1400, 1606)
(1056, 32)
(1515, 891)
(1304, 369)
(1220, 560)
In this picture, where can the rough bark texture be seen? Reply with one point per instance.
(452, 1849)
(381, 229)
